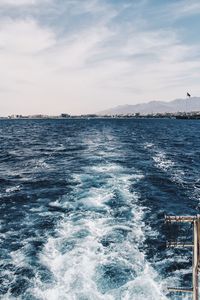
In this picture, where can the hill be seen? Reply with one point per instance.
(178, 105)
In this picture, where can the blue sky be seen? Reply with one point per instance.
(83, 56)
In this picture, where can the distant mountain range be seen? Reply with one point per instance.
(178, 105)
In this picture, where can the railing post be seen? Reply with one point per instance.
(195, 260)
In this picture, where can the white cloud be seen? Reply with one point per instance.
(24, 36)
(21, 2)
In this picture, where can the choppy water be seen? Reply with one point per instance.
(82, 206)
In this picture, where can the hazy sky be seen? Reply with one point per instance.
(82, 56)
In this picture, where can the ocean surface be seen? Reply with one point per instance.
(82, 205)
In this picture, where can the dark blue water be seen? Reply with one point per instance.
(83, 203)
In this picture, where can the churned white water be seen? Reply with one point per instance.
(98, 249)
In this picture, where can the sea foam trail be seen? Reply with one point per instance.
(97, 252)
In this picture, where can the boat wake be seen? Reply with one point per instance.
(98, 251)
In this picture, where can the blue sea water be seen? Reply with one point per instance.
(82, 205)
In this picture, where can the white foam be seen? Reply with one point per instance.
(162, 162)
(109, 168)
(148, 145)
(13, 189)
(77, 253)
(74, 266)
(167, 165)
(97, 197)
(19, 258)
(40, 164)
(55, 203)
(143, 287)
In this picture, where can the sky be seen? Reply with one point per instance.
(84, 56)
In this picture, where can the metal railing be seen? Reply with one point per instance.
(195, 220)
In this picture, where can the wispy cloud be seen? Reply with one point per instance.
(176, 10)
(185, 8)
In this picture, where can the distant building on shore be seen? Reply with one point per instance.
(65, 115)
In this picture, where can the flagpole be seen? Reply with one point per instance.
(187, 98)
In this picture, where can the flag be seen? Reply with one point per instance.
(188, 95)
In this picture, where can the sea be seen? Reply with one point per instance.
(83, 205)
